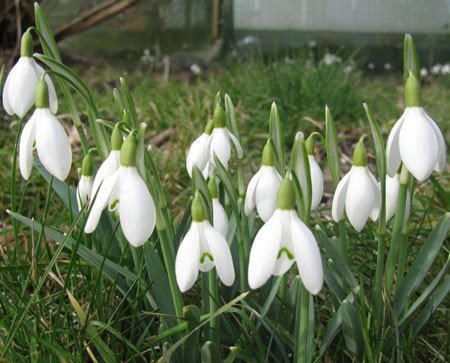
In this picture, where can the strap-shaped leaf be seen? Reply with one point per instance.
(276, 134)
(422, 263)
(129, 103)
(331, 146)
(231, 117)
(45, 31)
(352, 329)
(410, 58)
(191, 346)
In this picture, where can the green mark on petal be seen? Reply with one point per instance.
(114, 204)
(288, 253)
(206, 254)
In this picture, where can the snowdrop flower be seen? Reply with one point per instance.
(111, 163)
(219, 143)
(415, 139)
(316, 174)
(84, 187)
(283, 240)
(263, 187)
(202, 248)
(392, 189)
(126, 192)
(436, 69)
(423, 72)
(220, 219)
(20, 86)
(198, 152)
(445, 69)
(44, 131)
(358, 192)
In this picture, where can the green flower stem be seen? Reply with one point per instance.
(397, 231)
(213, 299)
(343, 240)
(242, 264)
(13, 190)
(402, 255)
(170, 267)
(301, 331)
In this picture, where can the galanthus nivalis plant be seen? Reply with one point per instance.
(263, 187)
(126, 192)
(20, 86)
(84, 187)
(219, 143)
(202, 249)
(151, 303)
(283, 240)
(357, 192)
(44, 131)
(198, 152)
(415, 139)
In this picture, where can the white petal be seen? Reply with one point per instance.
(52, 144)
(237, 144)
(21, 85)
(187, 260)
(266, 192)
(220, 217)
(376, 209)
(284, 263)
(418, 144)
(108, 168)
(307, 255)
(221, 254)
(136, 208)
(100, 200)
(206, 262)
(360, 197)
(84, 190)
(392, 147)
(392, 189)
(249, 204)
(264, 252)
(316, 182)
(197, 153)
(5, 96)
(440, 165)
(219, 144)
(27, 139)
(53, 100)
(337, 209)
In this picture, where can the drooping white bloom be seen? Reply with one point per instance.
(392, 190)
(126, 192)
(220, 219)
(316, 182)
(202, 248)
(44, 131)
(263, 187)
(84, 189)
(219, 143)
(20, 86)
(417, 141)
(359, 194)
(262, 192)
(198, 154)
(283, 240)
(111, 163)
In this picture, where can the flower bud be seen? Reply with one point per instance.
(41, 95)
(197, 209)
(359, 154)
(87, 167)
(286, 194)
(116, 138)
(128, 150)
(219, 117)
(267, 155)
(26, 45)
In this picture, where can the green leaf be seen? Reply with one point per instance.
(335, 255)
(191, 346)
(276, 134)
(210, 353)
(332, 282)
(442, 193)
(331, 145)
(231, 117)
(422, 263)
(2, 77)
(129, 103)
(410, 58)
(45, 31)
(432, 305)
(352, 329)
(331, 331)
